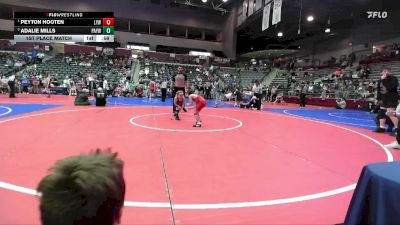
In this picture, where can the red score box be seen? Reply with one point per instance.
(108, 21)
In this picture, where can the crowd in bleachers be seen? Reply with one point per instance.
(115, 75)
(73, 73)
(341, 78)
(207, 80)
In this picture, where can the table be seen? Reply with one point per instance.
(376, 199)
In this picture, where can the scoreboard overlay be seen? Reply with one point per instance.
(64, 26)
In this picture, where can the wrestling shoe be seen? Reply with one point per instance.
(197, 125)
(380, 130)
(393, 145)
(390, 129)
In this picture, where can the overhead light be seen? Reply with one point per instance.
(204, 1)
(327, 30)
(138, 47)
(224, 0)
(310, 18)
(196, 53)
(280, 34)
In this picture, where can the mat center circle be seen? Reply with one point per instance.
(166, 122)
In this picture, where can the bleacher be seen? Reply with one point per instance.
(376, 69)
(4, 68)
(61, 69)
(192, 71)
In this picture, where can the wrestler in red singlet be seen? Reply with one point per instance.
(200, 104)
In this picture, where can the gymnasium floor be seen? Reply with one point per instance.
(281, 165)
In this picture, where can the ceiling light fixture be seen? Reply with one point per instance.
(327, 30)
(224, 0)
(310, 18)
(204, 1)
(280, 34)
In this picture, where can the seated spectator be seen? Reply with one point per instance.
(117, 91)
(100, 97)
(87, 189)
(82, 98)
(279, 99)
(341, 103)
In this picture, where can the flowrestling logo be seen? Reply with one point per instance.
(377, 14)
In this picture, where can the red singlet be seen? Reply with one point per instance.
(152, 87)
(200, 103)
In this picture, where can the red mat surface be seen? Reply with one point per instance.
(269, 157)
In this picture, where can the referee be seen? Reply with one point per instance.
(257, 90)
(178, 84)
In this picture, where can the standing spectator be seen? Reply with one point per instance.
(25, 85)
(302, 98)
(208, 90)
(164, 86)
(218, 91)
(85, 189)
(36, 83)
(274, 92)
(257, 90)
(387, 93)
(106, 88)
(11, 85)
(47, 85)
(238, 97)
(269, 94)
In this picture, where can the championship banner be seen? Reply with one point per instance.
(265, 21)
(251, 7)
(244, 14)
(258, 5)
(276, 13)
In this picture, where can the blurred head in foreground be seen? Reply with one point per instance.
(88, 189)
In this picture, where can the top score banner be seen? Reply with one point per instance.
(48, 15)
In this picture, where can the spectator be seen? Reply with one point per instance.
(340, 103)
(238, 97)
(274, 92)
(101, 99)
(25, 85)
(395, 144)
(164, 86)
(257, 90)
(387, 93)
(11, 85)
(82, 98)
(302, 97)
(85, 189)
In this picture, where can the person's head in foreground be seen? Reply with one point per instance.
(87, 189)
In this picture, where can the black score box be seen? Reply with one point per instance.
(57, 30)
